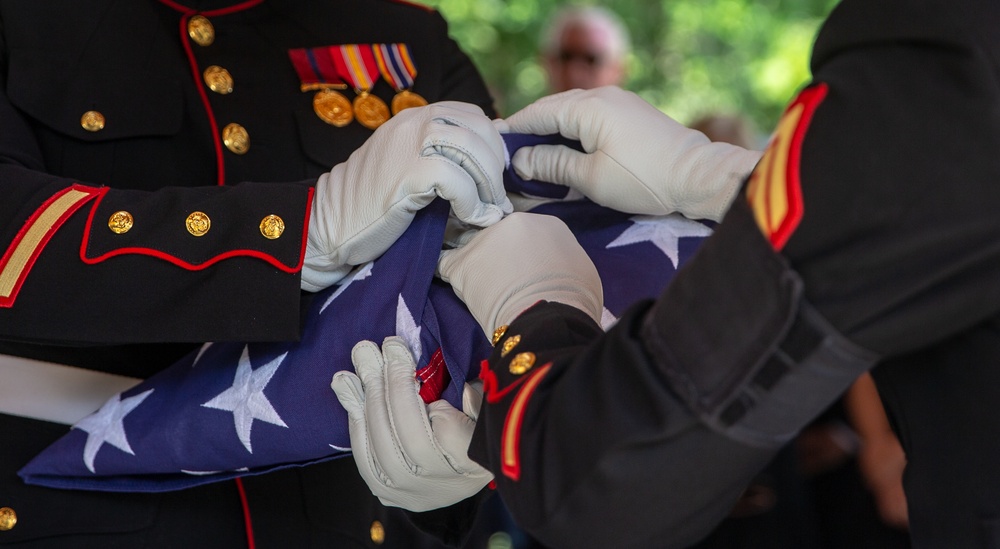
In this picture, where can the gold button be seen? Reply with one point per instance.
(509, 344)
(198, 223)
(498, 333)
(377, 533)
(236, 138)
(92, 121)
(120, 222)
(8, 518)
(272, 226)
(200, 30)
(218, 80)
(521, 363)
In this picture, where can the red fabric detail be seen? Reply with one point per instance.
(220, 166)
(300, 60)
(326, 66)
(491, 387)
(220, 171)
(305, 228)
(336, 56)
(369, 62)
(433, 378)
(246, 513)
(492, 485)
(211, 13)
(315, 66)
(270, 259)
(413, 4)
(8, 301)
(515, 420)
(488, 377)
(810, 99)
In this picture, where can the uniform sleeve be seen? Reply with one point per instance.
(588, 445)
(897, 242)
(874, 199)
(81, 263)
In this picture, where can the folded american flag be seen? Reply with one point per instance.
(234, 409)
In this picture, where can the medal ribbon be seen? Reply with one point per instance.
(315, 68)
(356, 64)
(395, 64)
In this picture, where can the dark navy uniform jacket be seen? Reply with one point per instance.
(877, 199)
(105, 108)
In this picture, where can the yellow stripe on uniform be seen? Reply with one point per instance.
(16, 261)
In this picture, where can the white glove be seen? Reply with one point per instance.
(363, 205)
(412, 455)
(505, 269)
(638, 159)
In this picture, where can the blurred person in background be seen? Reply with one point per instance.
(585, 47)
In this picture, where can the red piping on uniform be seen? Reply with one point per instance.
(91, 192)
(510, 441)
(184, 264)
(211, 13)
(413, 5)
(810, 98)
(491, 386)
(305, 226)
(196, 74)
(220, 167)
(246, 513)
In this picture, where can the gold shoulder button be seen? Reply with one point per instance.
(198, 223)
(8, 518)
(377, 533)
(521, 363)
(120, 222)
(272, 226)
(201, 30)
(509, 345)
(92, 121)
(236, 138)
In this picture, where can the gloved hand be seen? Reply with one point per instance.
(412, 455)
(638, 159)
(363, 205)
(504, 269)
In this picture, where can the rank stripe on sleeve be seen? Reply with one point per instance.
(510, 444)
(36, 233)
(775, 190)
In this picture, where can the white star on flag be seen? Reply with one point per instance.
(662, 232)
(358, 274)
(608, 319)
(107, 425)
(407, 328)
(246, 400)
(201, 351)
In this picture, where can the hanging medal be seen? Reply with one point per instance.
(356, 64)
(317, 71)
(398, 69)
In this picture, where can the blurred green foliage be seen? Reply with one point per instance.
(689, 57)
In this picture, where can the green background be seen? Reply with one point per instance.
(689, 57)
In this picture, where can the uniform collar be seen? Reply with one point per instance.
(209, 6)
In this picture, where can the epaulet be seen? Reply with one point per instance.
(413, 4)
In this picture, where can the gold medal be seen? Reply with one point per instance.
(405, 100)
(370, 111)
(333, 108)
